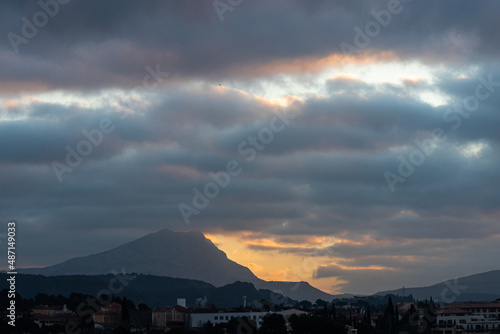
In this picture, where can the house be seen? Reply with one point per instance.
(44, 315)
(109, 315)
(468, 318)
(57, 319)
(164, 317)
(488, 310)
(50, 310)
(404, 307)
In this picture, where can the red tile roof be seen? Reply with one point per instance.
(162, 309)
(113, 304)
(472, 305)
(46, 307)
(452, 311)
(170, 308)
(106, 313)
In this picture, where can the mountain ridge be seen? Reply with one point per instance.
(149, 289)
(483, 286)
(163, 253)
(186, 255)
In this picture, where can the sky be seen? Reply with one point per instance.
(350, 144)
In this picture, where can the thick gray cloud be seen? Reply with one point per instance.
(91, 44)
(319, 172)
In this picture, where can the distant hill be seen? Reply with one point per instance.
(164, 253)
(478, 287)
(179, 255)
(296, 290)
(151, 290)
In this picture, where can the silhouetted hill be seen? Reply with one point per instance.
(164, 253)
(478, 287)
(148, 289)
(175, 254)
(296, 290)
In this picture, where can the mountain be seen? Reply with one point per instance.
(152, 290)
(179, 255)
(164, 253)
(295, 290)
(479, 287)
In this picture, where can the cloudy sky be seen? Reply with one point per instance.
(351, 144)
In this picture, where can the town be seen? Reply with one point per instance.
(393, 315)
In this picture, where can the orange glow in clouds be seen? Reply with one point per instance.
(273, 263)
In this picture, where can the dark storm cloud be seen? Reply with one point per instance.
(93, 44)
(295, 250)
(343, 188)
(321, 175)
(392, 263)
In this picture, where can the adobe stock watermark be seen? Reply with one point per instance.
(427, 146)
(428, 318)
(450, 293)
(222, 6)
(372, 29)
(220, 180)
(103, 297)
(301, 273)
(93, 138)
(40, 19)
(309, 265)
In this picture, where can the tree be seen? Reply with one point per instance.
(396, 316)
(429, 318)
(387, 323)
(121, 330)
(42, 299)
(209, 328)
(316, 324)
(241, 325)
(25, 325)
(409, 321)
(125, 315)
(389, 310)
(180, 330)
(304, 305)
(267, 305)
(143, 307)
(321, 302)
(368, 316)
(364, 328)
(273, 323)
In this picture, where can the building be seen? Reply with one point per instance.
(167, 317)
(109, 316)
(199, 319)
(57, 319)
(488, 310)
(44, 315)
(404, 307)
(50, 310)
(468, 318)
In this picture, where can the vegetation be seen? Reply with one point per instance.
(325, 317)
(273, 323)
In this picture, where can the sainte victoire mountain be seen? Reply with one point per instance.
(175, 254)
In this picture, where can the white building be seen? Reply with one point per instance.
(199, 319)
(468, 318)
